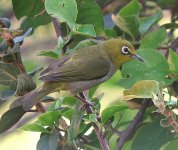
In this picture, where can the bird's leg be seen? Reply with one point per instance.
(83, 99)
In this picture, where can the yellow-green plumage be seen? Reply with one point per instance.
(81, 70)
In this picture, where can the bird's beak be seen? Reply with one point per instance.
(136, 56)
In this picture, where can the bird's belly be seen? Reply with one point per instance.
(79, 86)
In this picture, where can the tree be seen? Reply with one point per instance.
(80, 23)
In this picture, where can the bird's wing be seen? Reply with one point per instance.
(78, 67)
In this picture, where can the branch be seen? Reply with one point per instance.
(57, 27)
(124, 135)
(103, 142)
(174, 45)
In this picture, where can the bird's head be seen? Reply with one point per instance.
(121, 51)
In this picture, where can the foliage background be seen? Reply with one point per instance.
(44, 38)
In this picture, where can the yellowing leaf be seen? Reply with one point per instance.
(142, 89)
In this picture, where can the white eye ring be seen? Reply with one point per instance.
(125, 50)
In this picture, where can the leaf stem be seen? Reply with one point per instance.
(102, 140)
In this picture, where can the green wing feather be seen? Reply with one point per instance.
(83, 65)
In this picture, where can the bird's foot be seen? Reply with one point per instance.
(86, 105)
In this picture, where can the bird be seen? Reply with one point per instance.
(81, 70)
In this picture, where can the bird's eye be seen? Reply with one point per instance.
(125, 50)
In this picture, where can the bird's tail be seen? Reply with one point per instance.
(32, 98)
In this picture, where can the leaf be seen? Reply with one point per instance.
(127, 18)
(142, 89)
(87, 12)
(8, 75)
(128, 24)
(75, 122)
(154, 39)
(108, 112)
(85, 43)
(34, 127)
(86, 29)
(110, 33)
(65, 10)
(27, 8)
(48, 142)
(19, 39)
(172, 145)
(69, 100)
(92, 118)
(92, 91)
(49, 118)
(33, 10)
(5, 23)
(170, 25)
(35, 71)
(35, 21)
(173, 61)
(6, 94)
(147, 22)
(49, 54)
(152, 135)
(11, 117)
(132, 8)
(154, 67)
(25, 84)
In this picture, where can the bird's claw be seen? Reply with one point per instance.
(87, 104)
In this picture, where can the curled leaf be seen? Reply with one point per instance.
(142, 89)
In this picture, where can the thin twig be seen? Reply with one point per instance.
(57, 27)
(99, 134)
(131, 128)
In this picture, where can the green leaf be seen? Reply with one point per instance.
(85, 43)
(86, 29)
(27, 8)
(153, 39)
(108, 112)
(173, 61)
(34, 127)
(35, 21)
(34, 12)
(49, 54)
(92, 118)
(11, 117)
(127, 24)
(48, 142)
(147, 22)
(152, 135)
(69, 100)
(142, 89)
(172, 145)
(76, 120)
(170, 25)
(154, 67)
(132, 8)
(127, 18)
(65, 10)
(35, 71)
(110, 33)
(49, 118)
(89, 12)
(92, 91)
